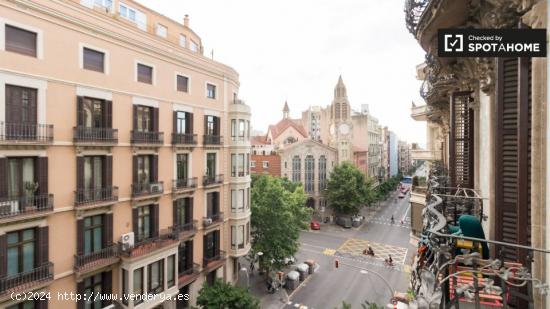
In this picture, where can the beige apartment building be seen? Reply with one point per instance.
(124, 156)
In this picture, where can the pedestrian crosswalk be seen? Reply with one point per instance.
(298, 305)
(382, 251)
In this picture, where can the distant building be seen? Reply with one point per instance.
(404, 155)
(393, 155)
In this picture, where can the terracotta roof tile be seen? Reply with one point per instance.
(284, 124)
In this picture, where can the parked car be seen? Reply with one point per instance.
(314, 225)
(344, 222)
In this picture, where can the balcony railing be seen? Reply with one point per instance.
(144, 189)
(101, 257)
(186, 229)
(26, 133)
(212, 140)
(143, 245)
(184, 139)
(27, 280)
(414, 11)
(207, 260)
(153, 138)
(184, 184)
(208, 180)
(212, 219)
(95, 135)
(187, 275)
(84, 197)
(24, 205)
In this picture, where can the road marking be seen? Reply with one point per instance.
(406, 211)
(407, 269)
(328, 251)
(382, 251)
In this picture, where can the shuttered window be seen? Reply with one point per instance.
(461, 141)
(20, 41)
(144, 73)
(513, 155)
(93, 60)
(182, 83)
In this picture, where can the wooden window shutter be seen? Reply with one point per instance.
(135, 221)
(3, 255)
(80, 111)
(42, 304)
(189, 253)
(42, 164)
(155, 119)
(155, 220)
(205, 246)
(216, 242)
(43, 243)
(80, 236)
(79, 173)
(461, 145)
(135, 115)
(189, 122)
(80, 289)
(108, 172)
(205, 124)
(155, 168)
(135, 169)
(108, 230)
(175, 212)
(175, 122)
(190, 213)
(107, 284)
(108, 114)
(216, 125)
(3, 180)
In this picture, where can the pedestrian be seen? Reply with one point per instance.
(252, 267)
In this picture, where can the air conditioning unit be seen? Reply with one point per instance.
(127, 241)
(157, 187)
(207, 221)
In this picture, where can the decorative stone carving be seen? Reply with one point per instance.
(494, 14)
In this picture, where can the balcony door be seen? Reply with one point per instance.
(21, 253)
(93, 113)
(212, 204)
(145, 222)
(182, 166)
(21, 112)
(144, 170)
(21, 177)
(211, 165)
(144, 119)
(183, 211)
(185, 254)
(183, 122)
(93, 177)
(212, 244)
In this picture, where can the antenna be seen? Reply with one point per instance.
(212, 54)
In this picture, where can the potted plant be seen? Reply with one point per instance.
(30, 189)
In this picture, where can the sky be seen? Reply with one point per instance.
(295, 50)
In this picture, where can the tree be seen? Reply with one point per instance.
(224, 295)
(278, 216)
(347, 190)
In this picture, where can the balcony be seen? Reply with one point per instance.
(24, 206)
(23, 133)
(24, 281)
(421, 113)
(212, 140)
(96, 260)
(239, 250)
(95, 197)
(212, 220)
(414, 10)
(212, 180)
(146, 138)
(426, 155)
(211, 263)
(239, 106)
(146, 246)
(145, 190)
(183, 185)
(186, 230)
(183, 139)
(187, 276)
(95, 136)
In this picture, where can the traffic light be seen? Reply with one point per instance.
(336, 263)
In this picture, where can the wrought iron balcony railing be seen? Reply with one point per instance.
(26, 133)
(152, 138)
(86, 197)
(147, 244)
(95, 135)
(207, 260)
(25, 205)
(101, 257)
(208, 180)
(212, 140)
(27, 279)
(212, 219)
(414, 11)
(185, 229)
(184, 139)
(150, 188)
(184, 184)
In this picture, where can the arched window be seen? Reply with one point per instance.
(309, 175)
(296, 168)
(290, 140)
(322, 173)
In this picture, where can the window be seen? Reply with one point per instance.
(138, 285)
(107, 4)
(144, 223)
(184, 211)
(183, 40)
(233, 165)
(241, 200)
(253, 164)
(93, 285)
(233, 237)
(322, 173)
(93, 177)
(29, 304)
(309, 173)
(211, 125)
(248, 232)
(265, 164)
(125, 289)
(93, 113)
(93, 60)
(21, 251)
(155, 276)
(296, 169)
(144, 118)
(144, 74)
(20, 41)
(247, 167)
(241, 130)
(143, 172)
(93, 234)
(212, 204)
(240, 164)
(133, 15)
(212, 244)
(210, 91)
(171, 271)
(183, 122)
(185, 255)
(233, 129)
(182, 166)
(20, 176)
(240, 236)
(211, 165)
(182, 83)
(161, 30)
(234, 200)
(193, 46)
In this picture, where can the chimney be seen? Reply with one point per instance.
(186, 20)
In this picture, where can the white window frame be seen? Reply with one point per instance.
(193, 46)
(184, 37)
(265, 164)
(106, 62)
(215, 90)
(39, 35)
(176, 82)
(136, 62)
(253, 164)
(163, 30)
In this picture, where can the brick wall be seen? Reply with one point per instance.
(274, 165)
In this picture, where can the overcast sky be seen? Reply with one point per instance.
(294, 50)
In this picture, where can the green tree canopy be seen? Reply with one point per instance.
(221, 295)
(347, 189)
(278, 216)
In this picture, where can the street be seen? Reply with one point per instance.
(328, 287)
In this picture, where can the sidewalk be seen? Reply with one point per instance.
(258, 288)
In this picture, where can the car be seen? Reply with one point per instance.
(344, 222)
(314, 225)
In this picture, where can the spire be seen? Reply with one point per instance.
(286, 111)
(340, 89)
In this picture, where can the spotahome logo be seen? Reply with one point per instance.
(491, 43)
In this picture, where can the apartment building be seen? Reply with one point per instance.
(124, 156)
